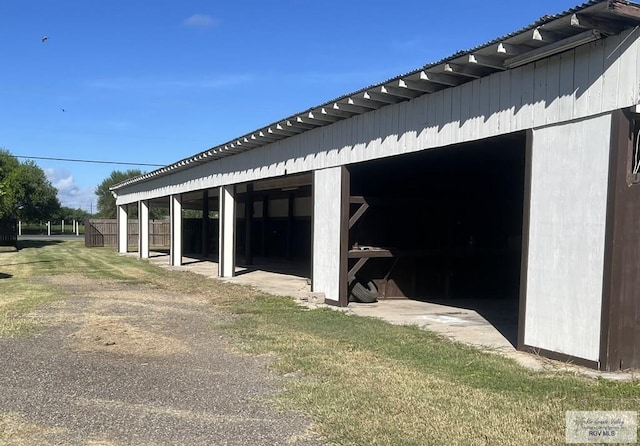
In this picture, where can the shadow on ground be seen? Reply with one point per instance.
(23, 244)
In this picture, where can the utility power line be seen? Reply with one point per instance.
(71, 160)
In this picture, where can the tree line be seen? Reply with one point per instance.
(27, 194)
(25, 191)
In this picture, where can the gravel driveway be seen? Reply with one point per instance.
(127, 364)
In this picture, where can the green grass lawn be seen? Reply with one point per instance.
(363, 381)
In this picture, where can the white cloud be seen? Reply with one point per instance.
(69, 193)
(200, 21)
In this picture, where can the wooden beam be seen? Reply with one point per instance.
(332, 111)
(372, 105)
(381, 97)
(231, 148)
(351, 107)
(486, 61)
(299, 123)
(604, 26)
(422, 86)
(248, 225)
(509, 50)
(400, 92)
(544, 36)
(246, 143)
(624, 9)
(358, 214)
(461, 71)
(311, 121)
(323, 117)
(279, 130)
(438, 78)
(266, 137)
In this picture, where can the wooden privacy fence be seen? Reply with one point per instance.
(8, 232)
(104, 232)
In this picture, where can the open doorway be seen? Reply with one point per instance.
(443, 226)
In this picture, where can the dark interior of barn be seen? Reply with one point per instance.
(444, 224)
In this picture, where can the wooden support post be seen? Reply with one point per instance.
(265, 225)
(175, 258)
(345, 204)
(291, 201)
(205, 223)
(248, 221)
(123, 233)
(143, 229)
(227, 256)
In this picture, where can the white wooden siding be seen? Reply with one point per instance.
(326, 232)
(589, 80)
(569, 175)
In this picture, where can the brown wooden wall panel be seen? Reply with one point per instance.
(8, 232)
(620, 338)
(104, 232)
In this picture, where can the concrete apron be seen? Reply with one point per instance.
(459, 324)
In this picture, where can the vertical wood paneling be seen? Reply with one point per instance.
(629, 68)
(456, 112)
(611, 75)
(390, 132)
(528, 105)
(326, 231)
(566, 99)
(506, 109)
(493, 122)
(539, 92)
(485, 106)
(476, 120)
(552, 96)
(405, 127)
(466, 93)
(566, 237)
(430, 132)
(446, 118)
(373, 131)
(596, 66)
(581, 82)
(329, 146)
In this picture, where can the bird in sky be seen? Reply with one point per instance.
(45, 38)
(63, 110)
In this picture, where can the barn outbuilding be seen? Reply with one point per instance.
(509, 172)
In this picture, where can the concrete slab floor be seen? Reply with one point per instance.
(461, 323)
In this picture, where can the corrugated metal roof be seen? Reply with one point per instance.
(414, 83)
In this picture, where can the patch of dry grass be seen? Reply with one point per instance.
(362, 380)
(367, 382)
(15, 430)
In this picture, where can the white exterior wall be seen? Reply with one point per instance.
(569, 177)
(592, 79)
(326, 231)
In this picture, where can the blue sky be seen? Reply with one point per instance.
(155, 82)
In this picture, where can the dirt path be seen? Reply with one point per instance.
(122, 363)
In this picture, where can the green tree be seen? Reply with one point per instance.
(69, 214)
(8, 163)
(26, 192)
(107, 202)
